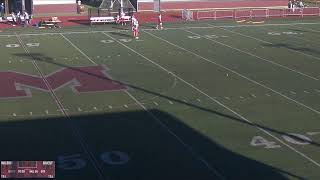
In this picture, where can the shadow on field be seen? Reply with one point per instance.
(121, 27)
(85, 22)
(127, 145)
(45, 59)
(288, 46)
(149, 25)
(121, 34)
(303, 30)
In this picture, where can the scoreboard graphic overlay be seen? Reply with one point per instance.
(27, 169)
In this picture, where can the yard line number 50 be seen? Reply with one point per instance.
(76, 161)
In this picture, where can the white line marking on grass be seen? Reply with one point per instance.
(256, 56)
(304, 39)
(173, 28)
(156, 103)
(74, 130)
(310, 29)
(63, 110)
(188, 147)
(216, 101)
(292, 92)
(221, 104)
(313, 133)
(84, 54)
(78, 49)
(170, 102)
(243, 76)
(159, 121)
(267, 42)
(227, 98)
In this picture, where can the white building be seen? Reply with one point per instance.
(40, 6)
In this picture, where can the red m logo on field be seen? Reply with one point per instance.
(81, 79)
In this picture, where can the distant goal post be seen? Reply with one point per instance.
(156, 5)
(187, 14)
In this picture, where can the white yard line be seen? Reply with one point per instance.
(188, 147)
(78, 49)
(216, 101)
(267, 42)
(256, 56)
(310, 29)
(152, 29)
(243, 76)
(75, 131)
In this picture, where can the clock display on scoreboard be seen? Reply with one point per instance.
(27, 169)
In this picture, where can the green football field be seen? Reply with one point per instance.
(198, 100)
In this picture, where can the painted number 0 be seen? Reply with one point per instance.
(298, 139)
(18, 45)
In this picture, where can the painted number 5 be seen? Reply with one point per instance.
(71, 162)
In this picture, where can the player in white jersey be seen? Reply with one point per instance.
(159, 25)
(135, 28)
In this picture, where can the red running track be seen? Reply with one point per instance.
(145, 6)
(169, 16)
